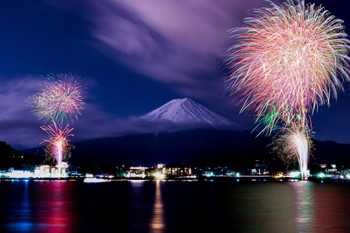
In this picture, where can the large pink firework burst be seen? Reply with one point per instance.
(285, 62)
(60, 98)
(58, 142)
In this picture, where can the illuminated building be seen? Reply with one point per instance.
(259, 168)
(137, 172)
(46, 171)
(178, 171)
(42, 171)
(11, 173)
(59, 171)
(207, 173)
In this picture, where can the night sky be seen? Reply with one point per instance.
(136, 55)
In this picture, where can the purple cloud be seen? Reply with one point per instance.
(180, 43)
(16, 124)
(20, 128)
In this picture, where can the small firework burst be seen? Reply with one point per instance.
(60, 98)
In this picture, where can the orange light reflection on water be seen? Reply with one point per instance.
(157, 224)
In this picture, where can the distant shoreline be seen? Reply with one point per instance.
(201, 179)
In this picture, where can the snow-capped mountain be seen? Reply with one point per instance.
(186, 112)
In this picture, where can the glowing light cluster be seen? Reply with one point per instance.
(159, 176)
(60, 98)
(285, 62)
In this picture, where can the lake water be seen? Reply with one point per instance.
(174, 206)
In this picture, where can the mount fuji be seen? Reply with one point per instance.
(184, 131)
(186, 112)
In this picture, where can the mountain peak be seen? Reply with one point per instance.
(186, 111)
(185, 100)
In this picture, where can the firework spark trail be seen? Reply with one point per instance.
(298, 144)
(285, 62)
(59, 98)
(302, 147)
(58, 142)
